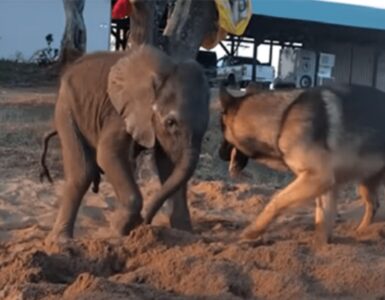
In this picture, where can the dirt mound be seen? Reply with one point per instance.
(158, 262)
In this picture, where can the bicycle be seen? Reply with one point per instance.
(45, 56)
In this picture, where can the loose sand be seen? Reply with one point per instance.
(156, 262)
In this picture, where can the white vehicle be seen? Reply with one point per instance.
(239, 70)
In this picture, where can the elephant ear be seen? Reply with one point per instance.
(133, 83)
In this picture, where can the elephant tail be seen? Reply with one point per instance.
(44, 172)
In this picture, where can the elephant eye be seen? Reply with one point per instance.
(170, 122)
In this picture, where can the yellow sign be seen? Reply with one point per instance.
(234, 15)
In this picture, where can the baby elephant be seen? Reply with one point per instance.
(326, 136)
(109, 103)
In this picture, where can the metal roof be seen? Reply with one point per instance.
(324, 12)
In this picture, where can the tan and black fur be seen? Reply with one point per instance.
(325, 135)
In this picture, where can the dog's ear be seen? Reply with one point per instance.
(225, 97)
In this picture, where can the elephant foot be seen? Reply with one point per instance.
(58, 238)
(124, 223)
(181, 224)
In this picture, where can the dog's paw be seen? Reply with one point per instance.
(250, 233)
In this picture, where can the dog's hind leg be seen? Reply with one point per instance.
(368, 191)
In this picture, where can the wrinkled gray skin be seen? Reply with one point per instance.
(109, 103)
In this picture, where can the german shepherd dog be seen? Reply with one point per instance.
(326, 136)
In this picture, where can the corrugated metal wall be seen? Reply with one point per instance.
(380, 80)
(363, 65)
(355, 64)
(341, 70)
(342, 51)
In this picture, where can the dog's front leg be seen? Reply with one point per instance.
(325, 215)
(308, 185)
(238, 162)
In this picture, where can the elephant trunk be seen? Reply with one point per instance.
(182, 172)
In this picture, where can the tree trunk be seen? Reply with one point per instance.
(145, 21)
(141, 23)
(189, 23)
(73, 43)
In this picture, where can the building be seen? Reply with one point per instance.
(354, 34)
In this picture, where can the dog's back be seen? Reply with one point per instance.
(345, 120)
(362, 114)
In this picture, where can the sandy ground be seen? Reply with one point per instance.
(156, 262)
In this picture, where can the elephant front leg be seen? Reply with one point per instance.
(176, 207)
(113, 159)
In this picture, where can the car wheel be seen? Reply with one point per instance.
(305, 81)
(231, 80)
(244, 84)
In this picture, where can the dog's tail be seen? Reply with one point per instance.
(44, 172)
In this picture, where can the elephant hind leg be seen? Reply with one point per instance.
(79, 171)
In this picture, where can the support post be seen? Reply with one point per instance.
(255, 54)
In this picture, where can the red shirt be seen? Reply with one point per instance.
(121, 9)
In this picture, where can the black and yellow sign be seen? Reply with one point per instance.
(234, 15)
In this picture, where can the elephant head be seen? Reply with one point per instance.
(163, 102)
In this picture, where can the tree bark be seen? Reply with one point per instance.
(145, 22)
(141, 23)
(189, 23)
(74, 39)
(160, 9)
